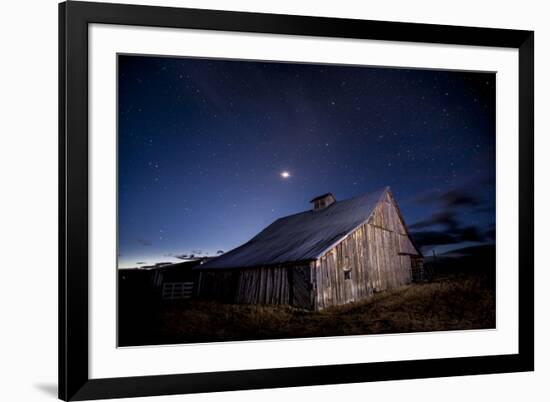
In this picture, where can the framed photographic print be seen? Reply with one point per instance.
(258, 201)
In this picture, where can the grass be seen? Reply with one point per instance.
(455, 301)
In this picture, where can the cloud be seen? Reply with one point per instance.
(449, 236)
(432, 238)
(470, 233)
(485, 210)
(446, 226)
(459, 198)
(186, 256)
(145, 242)
(450, 199)
(444, 218)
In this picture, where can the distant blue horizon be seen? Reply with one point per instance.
(212, 151)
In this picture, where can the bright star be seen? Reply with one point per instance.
(285, 174)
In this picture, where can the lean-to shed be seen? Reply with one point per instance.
(338, 252)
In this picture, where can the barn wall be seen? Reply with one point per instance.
(301, 286)
(217, 285)
(377, 255)
(262, 285)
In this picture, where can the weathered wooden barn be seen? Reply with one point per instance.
(338, 252)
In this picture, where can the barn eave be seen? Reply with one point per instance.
(275, 265)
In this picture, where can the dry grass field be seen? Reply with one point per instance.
(449, 302)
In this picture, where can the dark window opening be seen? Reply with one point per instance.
(347, 268)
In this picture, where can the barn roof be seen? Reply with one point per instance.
(304, 236)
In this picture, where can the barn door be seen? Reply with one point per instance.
(417, 269)
(349, 291)
(299, 281)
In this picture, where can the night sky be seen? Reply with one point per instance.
(213, 151)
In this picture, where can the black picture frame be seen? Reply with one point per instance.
(74, 381)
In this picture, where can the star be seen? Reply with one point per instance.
(285, 174)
